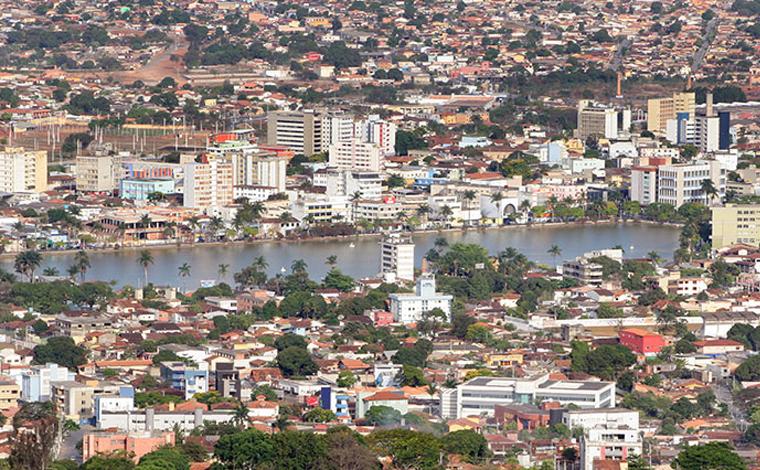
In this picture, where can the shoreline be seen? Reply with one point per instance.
(166, 246)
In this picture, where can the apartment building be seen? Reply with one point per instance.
(10, 393)
(98, 173)
(23, 171)
(74, 399)
(481, 395)
(661, 110)
(599, 120)
(608, 434)
(584, 269)
(299, 131)
(36, 382)
(185, 378)
(321, 208)
(267, 170)
(134, 443)
(337, 127)
(356, 155)
(379, 132)
(397, 258)
(367, 185)
(680, 183)
(409, 308)
(735, 223)
(644, 184)
(208, 185)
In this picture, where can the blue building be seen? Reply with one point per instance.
(35, 384)
(724, 130)
(185, 378)
(139, 189)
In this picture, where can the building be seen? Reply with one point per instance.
(23, 171)
(337, 127)
(259, 169)
(379, 132)
(584, 269)
(641, 341)
(367, 185)
(644, 184)
(10, 393)
(185, 378)
(140, 189)
(98, 173)
(481, 395)
(74, 399)
(164, 420)
(661, 110)
(134, 443)
(356, 155)
(397, 258)
(608, 434)
(208, 185)
(709, 131)
(36, 382)
(735, 223)
(79, 327)
(409, 308)
(300, 131)
(598, 120)
(388, 398)
(680, 183)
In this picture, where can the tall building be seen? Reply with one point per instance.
(337, 127)
(661, 110)
(609, 434)
(409, 308)
(680, 183)
(36, 383)
(23, 171)
(300, 131)
(380, 132)
(356, 155)
(208, 185)
(644, 184)
(397, 258)
(598, 120)
(98, 173)
(735, 223)
(709, 131)
(251, 169)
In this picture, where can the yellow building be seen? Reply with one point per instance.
(661, 110)
(503, 359)
(22, 170)
(10, 393)
(734, 224)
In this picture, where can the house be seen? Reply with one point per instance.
(718, 346)
(641, 341)
(395, 399)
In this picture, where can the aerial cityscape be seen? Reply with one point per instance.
(375, 234)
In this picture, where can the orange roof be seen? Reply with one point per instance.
(386, 396)
(640, 332)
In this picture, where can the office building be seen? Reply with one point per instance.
(98, 173)
(644, 184)
(356, 155)
(735, 223)
(36, 382)
(409, 308)
(208, 185)
(140, 189)
(480, 395)
(299, 131)
(602, 121)
(397, 258)
(23, 171)
(680, 183)
(709, 131)
(661, 110)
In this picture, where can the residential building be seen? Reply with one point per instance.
(78, 327)
(661, 110)
(356, 155)
(602, 121)
(644, 184)
(397, 258)
(337, 127)
(36, 382)
(300, 131)
(584, 269)
(74, 399)
(10, 393)
(680, 183)
(735, 223)
(185, 378)
(641, 341)
(208, 185)
(98, 173)
(481, 395)
(395, 399)
(608, 434)
(367, 185)
(134, 443)
(259, 169)
(409, 308)
(23, 171)
(164, 420)
(379, 132)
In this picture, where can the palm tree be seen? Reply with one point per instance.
(184, 270)
(50, 271)
(240, 417)
(654, 256)
(82, 262)
(446, 212)
(332, 260)
(555, 251)
(145, 259)
(222, 270)
(72, 271)
(440, 243)
(27, 262)
(260, 263)
(497, 197)
(215, 224)
(469, 196)
(285, 217)
(298, 266)
(708, 189)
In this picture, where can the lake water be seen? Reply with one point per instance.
(363, 259)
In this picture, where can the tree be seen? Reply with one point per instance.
(82, 262)
(346, 379)
(347, 450)
(166, 457)
(471, 445)
(184, 270)
(296, 361)
(555, 251)
(337, 280)
(749, 370)
(410, 376)
(381, 415)
(27, 262)
(222, 270)
(145, 259)
(248, 449)
(61, 350)
(319, 415)
(408, 449)
(608, 361)
(708, 189)
(712, 456)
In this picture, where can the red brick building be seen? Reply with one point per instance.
(641, 341)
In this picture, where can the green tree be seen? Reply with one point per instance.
(167, 457)
(109, 462)
(381, 415)
(712, 456)
(82, 262)
(27, 262)
(471, 445)
(319, 415)
(248, 449)
(408, 449)
(296, 361)
(749, 370)
(346, 379)
(60, 350)
(410, 376)
(145, 259)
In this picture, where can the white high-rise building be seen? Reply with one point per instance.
(380, 132)
(251, 169)
(23, 171)
(608, 434)
(208, 185)
(644, 184)
(409, 308)
(336, 128)
(397, 258)
(681, 183)
(356, 155)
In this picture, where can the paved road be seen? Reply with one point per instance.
(724, 395)
(617, 60)
(707, 40)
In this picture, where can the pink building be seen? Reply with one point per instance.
(382, 318)
(135, 444)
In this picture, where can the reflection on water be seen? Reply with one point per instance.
(363, 259)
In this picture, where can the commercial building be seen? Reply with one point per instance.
(164, 420)
(337, 127)
(599, 120)
(661, 110)
(397, 258)
(140, 189)
(480, 395)
(208, 185)
(356, 155)
(735, 223)
(135, 443)
(680, 183)
(23, 171)
(641, 341)
(300, 131)
(709, 131)
(409, 308)
(379, 132)
(98, 173)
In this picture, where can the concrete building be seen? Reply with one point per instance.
(584, 269)
(164, 420)
(397, 258)
(36, 382)
(135, 443)
(409, 308)
(356, 155)
(74, 399)
(98, 173)
(10, 393)
(23, 171)
(379, 132)
(389, 398)
(598, 120)
(644, 184)
(300, 131)
(608, 434)
(208, 185)
(680, 183)
(368, 185)
(480, 395)
(140, 189)
(734, 224)
(661, 110)
(252, 169)
(337, 127)
(185, 378)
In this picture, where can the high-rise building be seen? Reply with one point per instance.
(208, 185)
(300, 131)
(356, 155)
(661, 110)
(23, 171)
(680, 183)
(709, 132)
(598, 120)
(98, 173)
(252, 169)
(397, 258)
(644, 184)
(337, 127)
(380, 132)
(409, 308)
(735, 223)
